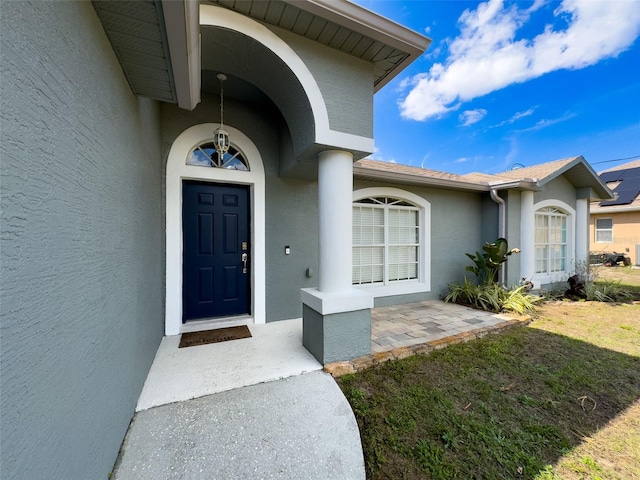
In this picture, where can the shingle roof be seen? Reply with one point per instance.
(575, 169)
(537, 172)
(409, 170)
(624, 166)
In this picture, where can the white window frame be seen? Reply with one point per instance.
(423, 282)
(569, 264)
(599, 230)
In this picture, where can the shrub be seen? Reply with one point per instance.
(492, 297)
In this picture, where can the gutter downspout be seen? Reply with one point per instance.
(501, 221)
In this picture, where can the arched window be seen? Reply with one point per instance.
(551, 241)
(391, 241)
(206, 155)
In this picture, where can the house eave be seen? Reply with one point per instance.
(157, 44)
(182, 24)
(372, 25)
(581, 174)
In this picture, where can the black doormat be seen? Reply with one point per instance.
(192, 339)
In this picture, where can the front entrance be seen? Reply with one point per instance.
(216, 258)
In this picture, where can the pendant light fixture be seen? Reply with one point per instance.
(221, 136)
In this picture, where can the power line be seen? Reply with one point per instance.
(615, 160)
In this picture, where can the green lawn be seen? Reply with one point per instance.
(557, 399)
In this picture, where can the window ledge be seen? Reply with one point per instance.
(540, 279)
(404, 288)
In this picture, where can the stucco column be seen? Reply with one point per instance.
(336, 318)
(527, 235)
(335, 190)
(582, 231)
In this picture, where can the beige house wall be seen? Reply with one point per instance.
(626, 234)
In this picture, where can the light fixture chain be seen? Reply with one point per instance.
(221, 103)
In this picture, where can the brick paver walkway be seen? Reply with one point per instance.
(416, 323)
(400, 331)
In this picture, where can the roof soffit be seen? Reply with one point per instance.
(157, 45)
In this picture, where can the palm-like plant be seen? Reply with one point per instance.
(487, 264)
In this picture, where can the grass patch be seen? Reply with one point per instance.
(557, 399)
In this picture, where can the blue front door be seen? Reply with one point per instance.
(216, 259)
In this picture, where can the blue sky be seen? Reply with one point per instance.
(513, 83)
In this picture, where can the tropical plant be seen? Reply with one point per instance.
(492, 297)
(487, 263)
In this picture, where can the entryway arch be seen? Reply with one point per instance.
(177, 171)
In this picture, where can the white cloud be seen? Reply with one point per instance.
(515, 117)
(461, 160)
(469, 117)
(544, 123)
(519, 115)
(486, 56)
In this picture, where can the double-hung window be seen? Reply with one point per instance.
(550, 241)
(386, 241)
(604, 230)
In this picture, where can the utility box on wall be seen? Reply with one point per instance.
(638, 255)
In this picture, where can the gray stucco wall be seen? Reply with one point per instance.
(336, 337)
(81, 244)
(291, 205)
(346, 83)
(456, 228)
(558, 189)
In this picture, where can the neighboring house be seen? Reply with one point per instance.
(121, 224)
(615, 224)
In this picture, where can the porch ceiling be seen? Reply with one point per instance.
(343, 26)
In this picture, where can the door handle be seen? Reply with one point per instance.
(245, 258)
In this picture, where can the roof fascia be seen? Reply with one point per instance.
(182, 24)
(366, 22)
(598, 187)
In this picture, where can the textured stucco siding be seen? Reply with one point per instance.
(336, 337)
(557, 189)
(346, 83)
(456, 228)
(291, 205)
(81, 243)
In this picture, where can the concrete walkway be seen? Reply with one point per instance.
(273, 352)
(262, 407)
(297, 428)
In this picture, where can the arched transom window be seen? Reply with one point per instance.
(550, 240)
(205, 155)
(386, 241)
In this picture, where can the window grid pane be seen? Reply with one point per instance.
(371, 256)
(206, 155)
(550, 241)
(604, 230)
